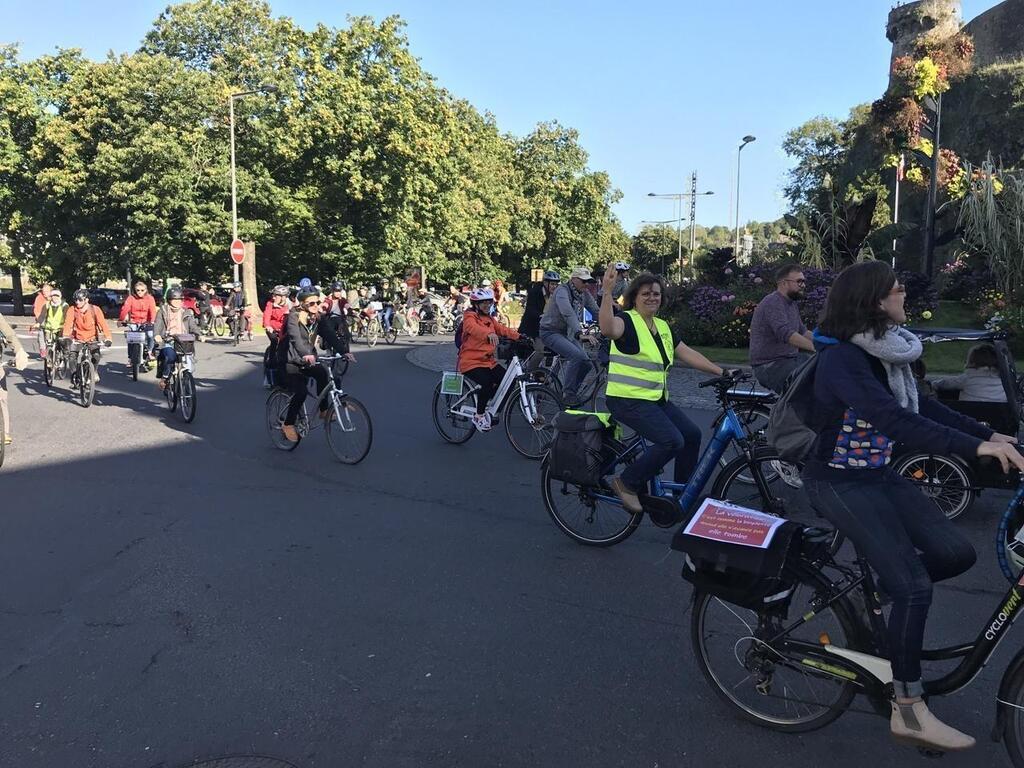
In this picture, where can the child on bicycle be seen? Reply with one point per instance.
(477, 359)
(980, 382)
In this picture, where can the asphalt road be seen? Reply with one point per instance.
(176, 592)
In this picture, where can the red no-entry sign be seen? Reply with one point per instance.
(237, 251)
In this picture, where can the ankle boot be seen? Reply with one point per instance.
(914, 724)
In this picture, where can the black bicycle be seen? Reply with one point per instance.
(136, 336)
(796, 662)
(55, 363)
(83, 373)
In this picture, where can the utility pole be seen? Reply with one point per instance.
(693, 225)
(931, 129)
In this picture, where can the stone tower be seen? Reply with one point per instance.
(910, 23)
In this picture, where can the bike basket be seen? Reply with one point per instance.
(738, 555)
(505, 350)
(135, 337)
(575, 453)
(185, 344)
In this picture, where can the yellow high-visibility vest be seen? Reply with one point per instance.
(643, 376)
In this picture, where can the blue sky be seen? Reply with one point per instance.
(656, 88)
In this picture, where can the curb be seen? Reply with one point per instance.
(430, 358)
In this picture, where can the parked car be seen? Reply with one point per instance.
(109, 300)
(190, 301)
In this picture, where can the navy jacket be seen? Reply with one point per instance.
(862, 418)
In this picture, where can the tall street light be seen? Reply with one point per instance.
(739, 155)
(679, 197)
(264, 88)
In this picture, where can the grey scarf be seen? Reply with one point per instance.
(897, 349)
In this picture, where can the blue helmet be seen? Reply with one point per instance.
(305, 283)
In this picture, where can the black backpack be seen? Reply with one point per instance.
(796, 420)
(575, 455)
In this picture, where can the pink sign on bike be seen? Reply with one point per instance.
(725, 522)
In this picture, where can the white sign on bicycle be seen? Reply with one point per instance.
(727, 523)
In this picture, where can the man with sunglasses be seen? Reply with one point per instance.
(140, 309)
(297, 353)
(85, 323)
(777, 334)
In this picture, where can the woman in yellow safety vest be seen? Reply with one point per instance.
(637, 393)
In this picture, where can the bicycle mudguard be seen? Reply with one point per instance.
(663, 511)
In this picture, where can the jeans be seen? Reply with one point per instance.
(489, 380)
(297, 384)
(386, 316)
(775, 375)
(577, 360)
(165, 361)
(908, 543)
(669, 433)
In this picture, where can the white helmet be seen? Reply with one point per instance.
(621, 266)
(486, 283)
(482, 294)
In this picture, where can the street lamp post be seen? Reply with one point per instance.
(678, 196)
(739, 155)
(265, 88)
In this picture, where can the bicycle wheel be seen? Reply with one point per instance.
(171, 393)
(391, 334)
(277, 407)
(942, 479)
(134, 353)
(188, 396)
(61, 367)
(88, 386)
(220, 325)
(48, 370)
(591, 516)
(1011, 707)
(1010, 548)
(349, 431)
(775, 686)
(455, 428)
(735, 482)
(372, 332)
(754, 419)
(531, 436)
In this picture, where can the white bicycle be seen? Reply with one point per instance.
(527, 407)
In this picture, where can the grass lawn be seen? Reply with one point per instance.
(947, 357)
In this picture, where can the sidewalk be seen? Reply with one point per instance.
(682, 382)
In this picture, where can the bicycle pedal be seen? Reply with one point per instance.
(663, 512)
(932, 754)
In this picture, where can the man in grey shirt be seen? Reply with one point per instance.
(777, 334)
(560, 327)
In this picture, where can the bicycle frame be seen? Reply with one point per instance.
(513, 375)
(730, 429)
(332, 391)
(873, 674)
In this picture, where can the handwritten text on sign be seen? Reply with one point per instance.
(721, 521)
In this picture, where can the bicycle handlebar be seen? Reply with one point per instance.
(726, 380)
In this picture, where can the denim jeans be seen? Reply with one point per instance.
(577, 362)
(775, 375)
(386, 316)
(908, 543)
(165, 361)
(669, 433)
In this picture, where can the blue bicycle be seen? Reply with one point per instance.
(593, 515)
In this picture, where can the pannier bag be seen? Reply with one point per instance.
(725, 556)
(575, 453)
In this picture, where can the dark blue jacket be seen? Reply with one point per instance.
(852, 394)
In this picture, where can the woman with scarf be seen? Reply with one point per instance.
(866, 394)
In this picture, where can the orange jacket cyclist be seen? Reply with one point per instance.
(140, 309)
(477, 359)
(84, 322)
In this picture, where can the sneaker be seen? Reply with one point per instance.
(289, 433)
(628, 497)
(789, 473)
(481, 423)
(489, 419)
(95, 377)
(914, 724)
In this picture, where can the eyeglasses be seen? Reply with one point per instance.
(310, 304)
(898, 289)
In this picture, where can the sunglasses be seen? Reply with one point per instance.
(310, 304)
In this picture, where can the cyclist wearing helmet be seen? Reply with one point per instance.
(85, 323)
(274, 314)
(536, 300)
(477, 359)
(204, 304)
(171, 320)
(335, 310)
(20, 361)
(296, 354)
(238, 303)
(561, 323)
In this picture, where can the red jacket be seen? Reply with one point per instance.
(85, 326)
(476, 351)
(138, 309)
(273, 316)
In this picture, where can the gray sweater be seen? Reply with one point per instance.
(564, 311)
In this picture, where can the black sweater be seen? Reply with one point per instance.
(299, 339)
(852, 394)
